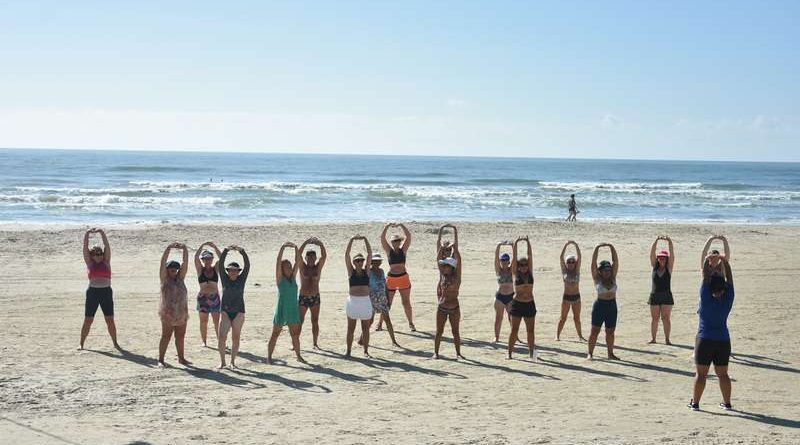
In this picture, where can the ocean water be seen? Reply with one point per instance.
(94, 187)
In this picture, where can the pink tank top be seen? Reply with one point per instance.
(99, 270)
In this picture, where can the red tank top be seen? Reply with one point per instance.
(99, 270)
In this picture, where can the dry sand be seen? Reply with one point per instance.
(51, 393)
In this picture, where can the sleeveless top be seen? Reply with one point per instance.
(359, 279)
(524, 279)
(397, 257)
(287, 288)
(505, 277)
(174, 307)
(377, 282)
(661, 283)
(98, 270)
(602, 289)
(204, 277)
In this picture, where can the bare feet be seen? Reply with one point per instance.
(233, 365)
(412, 327)
(396, 344)
(301, 359)
(436, 356)
(268, 360)
(117, 347)
(161, 365)
(611, 356)
(461, 356)
(366, 354)
(221, 366)
(583, 339)
(558, 339)
(651, 342)
(184, 362)
(379, 328)
(589, 357)
(316, 346)
(668, 343)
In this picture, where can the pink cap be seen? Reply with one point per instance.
(663, 253)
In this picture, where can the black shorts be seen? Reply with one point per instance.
(659, 299)
(99, 296)
(572, 298)
(712, 351)
(525, 309)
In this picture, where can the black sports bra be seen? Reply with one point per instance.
(203, 278)
(357, 279)
(397, 257)
(524, 279)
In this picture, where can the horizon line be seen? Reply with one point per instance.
(323, 153)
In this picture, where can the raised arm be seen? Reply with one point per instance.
(530, 253)
(298, 260)
(107, 246)
(577, 256)
(455, 236)
(162, 266)
(369, 251)
(347, 261)
(439, 239)
(323, 254)
(385, 242)
(198, 265)
(246, 268)
(671, 260)
(614, 262)
(184, 261)
(223, 274)
(595, 276)
(497, 258)
(278, 272)
(561, 257)
(514, 256)
(706, 248)
(407, 234)
(87, 257)
(728, 272)
(653, 248)
(726, 248)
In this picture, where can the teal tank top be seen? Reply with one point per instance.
(287, 288)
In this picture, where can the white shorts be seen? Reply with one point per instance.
(359, 308)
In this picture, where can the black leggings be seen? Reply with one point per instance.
(99, 296)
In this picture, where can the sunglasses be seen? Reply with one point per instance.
(358, 260)
(571, 262)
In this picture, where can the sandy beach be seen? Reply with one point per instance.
(52, 393)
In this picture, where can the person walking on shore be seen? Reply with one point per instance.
(573, 209)
(99, 293)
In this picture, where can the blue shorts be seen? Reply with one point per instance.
(505, 299)
(604, 312)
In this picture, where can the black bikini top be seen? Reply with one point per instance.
(397, 256)
(203, 278)
(359, 279)
(524, 279)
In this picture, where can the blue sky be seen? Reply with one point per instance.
(666, 80)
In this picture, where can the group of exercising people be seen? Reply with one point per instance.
(372, 291)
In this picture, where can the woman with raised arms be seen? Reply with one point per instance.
(571, 275)
(98, 294)
(604, 309)
(233, 278)
(449, 261)
(505, 288)
(208, 299)
(661, 300)
(396, 250)
(287, 311)
(523, 306)
(174, 307)
(359, 305)
(310, 272)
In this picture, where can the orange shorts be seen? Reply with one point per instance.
(398, 283)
